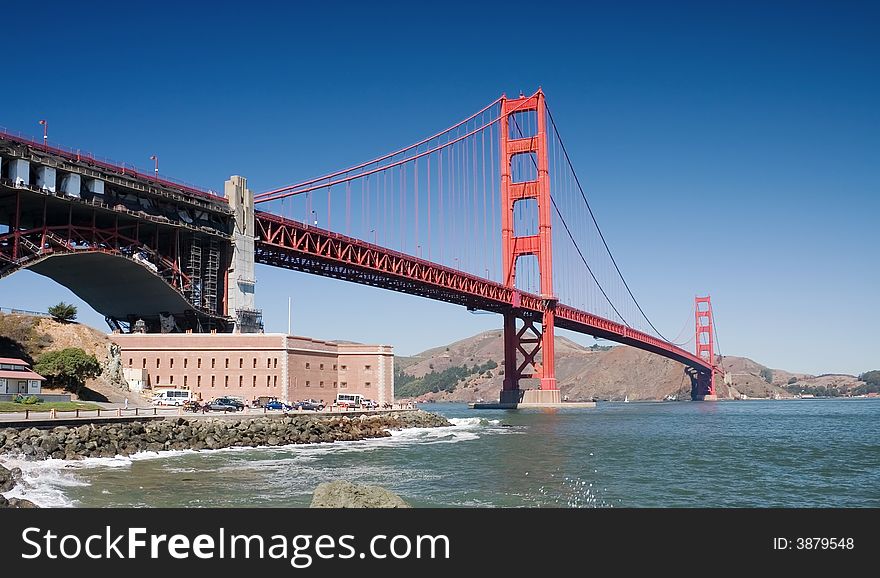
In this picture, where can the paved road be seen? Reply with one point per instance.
(116, 411)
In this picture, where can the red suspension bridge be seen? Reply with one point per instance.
(488, 214)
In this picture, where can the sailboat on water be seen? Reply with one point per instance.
(625, 398)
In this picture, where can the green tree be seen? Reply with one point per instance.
(63, 312)
(767, 374)
(871, 377)
(68, 368)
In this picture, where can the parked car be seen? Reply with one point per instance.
(309, 404)
(226, 404)
(369, 404)
(275, 404)
(263, 400)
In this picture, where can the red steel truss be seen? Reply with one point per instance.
(294, 245)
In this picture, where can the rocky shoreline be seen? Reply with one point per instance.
(107, 440)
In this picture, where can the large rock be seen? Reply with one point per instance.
(20, 503)
(344, 494)
(8, 478)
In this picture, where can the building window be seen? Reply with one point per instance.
(367, 367)
(129, 362)
(184, 381)
(334, 385)
(343, 385)
(268, 381)
(171, 380)
(226, 381)
(255, 363)
(171, 363)
(274, 381)
(268, 363)
(240, 362)
(321, 384)
(308, 384)
(275, 363)
(367, 384)
(334, 366)
(308, 365)
(158, 379)
(185, 362)
(198, 381)
(212, 381)
(227, 363)
(144, 363)
(240, 380)
(157, 363)
(199, 363)
(212, 362)
(344, 367)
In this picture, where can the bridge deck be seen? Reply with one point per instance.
(294, 245)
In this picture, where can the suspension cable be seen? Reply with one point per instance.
(598, 229)
(570, 236)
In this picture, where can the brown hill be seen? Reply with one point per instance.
(610, 373)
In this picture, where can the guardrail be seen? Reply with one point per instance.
(14, 311)
(167, 411)
(121, 168)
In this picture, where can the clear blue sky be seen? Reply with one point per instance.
(728, 148)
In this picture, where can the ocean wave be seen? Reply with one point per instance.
(44, 482)
(473, 421)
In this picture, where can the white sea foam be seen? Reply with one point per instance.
(45, 482)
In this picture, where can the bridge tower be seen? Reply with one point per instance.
(527, 340)
(240, 274)
(702, 383)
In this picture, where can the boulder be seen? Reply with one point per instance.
(344, 494)
(21, 503)
(7, 479)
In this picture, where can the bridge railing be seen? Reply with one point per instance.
(105, 163)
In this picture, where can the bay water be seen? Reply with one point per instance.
(781, 453)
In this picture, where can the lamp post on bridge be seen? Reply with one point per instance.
(373, 231)
(314, 218)
(156, 169)
(45, 124)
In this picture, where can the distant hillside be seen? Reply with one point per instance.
(583, 373)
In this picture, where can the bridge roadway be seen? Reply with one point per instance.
(100, 221)
(294, 245)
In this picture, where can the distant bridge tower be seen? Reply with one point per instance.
(703, 383)
(240, 280)
(527, 340)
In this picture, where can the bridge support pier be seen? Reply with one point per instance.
(526, 342)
